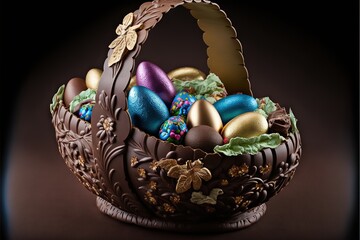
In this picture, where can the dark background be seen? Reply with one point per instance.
(302, 55)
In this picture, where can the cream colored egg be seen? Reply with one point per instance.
(92, 78)
(203, 112)
(186, 74)
(245, 125)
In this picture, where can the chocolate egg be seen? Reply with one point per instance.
(203, 137)
(154, 78)
(245, 125)
(203, 112)
(181, 104)
(173, 130)
(186, 74)
(146, 109)
(92, 78)
(234, 105)
(73, 88)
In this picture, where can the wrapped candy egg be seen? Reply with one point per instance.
(181, 104)
(146, 109)
(173, 130)
(234, 105)
(245, 125)
(186, 74)
(154, 78)
(203, 112)
(85, 111)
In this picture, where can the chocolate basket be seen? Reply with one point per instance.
(119, 163)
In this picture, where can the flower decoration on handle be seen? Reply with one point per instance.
(125, 41)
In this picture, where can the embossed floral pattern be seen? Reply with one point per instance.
(106, 129)
(125, 41)
(238, 171)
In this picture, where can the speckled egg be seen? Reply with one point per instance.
(234, 105)
(146, 109)
(181, 104)
(250, 124)
(154, 78)
(173, 130)
(85, 111)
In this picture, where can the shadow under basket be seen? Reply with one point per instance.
(121, 164)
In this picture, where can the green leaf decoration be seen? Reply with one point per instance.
(200, 198)
(266, 106)
(253, 145)
(57, 98)
(88, 94)
(293, 121)
(208, 88)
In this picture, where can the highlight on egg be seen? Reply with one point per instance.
(203, 112)
(146, 109)
(186, 74)
(203, 137)
(154, 78)
(93, 77)
(73, 88)
(234, 105)
(249, 124)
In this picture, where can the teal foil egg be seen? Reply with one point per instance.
(234, 105)
(173, 130)
(181, 104)
(85, 111)
(146, 109)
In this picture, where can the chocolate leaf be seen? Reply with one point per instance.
(266, 106)
(293, 121)
(253, 145)
(208, 88)
(57, 98)
(88, 94)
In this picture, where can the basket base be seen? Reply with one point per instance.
(235, 223)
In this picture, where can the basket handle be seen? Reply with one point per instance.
(111, 124)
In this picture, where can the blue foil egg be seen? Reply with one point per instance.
(181, 104)
(85, 111)
(234, 105)
(146, 109)
(173, 130)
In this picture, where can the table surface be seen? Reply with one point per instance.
(290, 57)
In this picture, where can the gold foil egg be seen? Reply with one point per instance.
(186, 74)
(131, 83)
(92, 78)
(203, 112)
(249, 124)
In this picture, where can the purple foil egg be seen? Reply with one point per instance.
(154, 78)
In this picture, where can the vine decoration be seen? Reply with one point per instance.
(233, 188)
(76, 150)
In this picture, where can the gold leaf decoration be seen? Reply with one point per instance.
(166, 163)
(183, 184)
(187, 175)
(125, 41)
